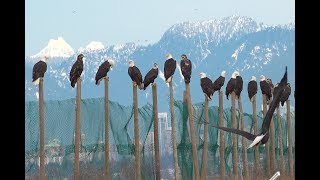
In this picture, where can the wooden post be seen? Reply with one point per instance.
(77, 131)
(282, 166)
(244, 146)
(290, 139)
(272, 148)
(136, 132)
(205, 138)
(192, 134)
(156, 130)
(267, 156)
(41, 127)
(255, 129)
(234, 137)
(173, 132)
(222, 145)
(106, 128)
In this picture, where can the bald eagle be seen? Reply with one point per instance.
(265, 88)
(239, 85)
(76, 70)
(285, 94)
(219, 82)
(252, 87)
(150, 76)
(263, 136)
(169, 68)
(103, 70)
(38, 70)
(135, 74)
(206, 85)
(186, 68)
(231, 84)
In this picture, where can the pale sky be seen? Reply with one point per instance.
(119, 21)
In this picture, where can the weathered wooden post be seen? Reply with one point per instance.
(234, 137)
(41, 127)
(222, 143)
(255, 129)
(205, 140)
(267, 148)
(77, 131)
(106, 128)
(192, 134)
(291, 170)
(244, 146)
(173, 133)
(272, 148)
(282, 167)
(156, 130)
(136, 132)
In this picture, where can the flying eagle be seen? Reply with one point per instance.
(38, 70)
(103, 70)
(150, 76)
(169, 68)
(262, 137)
(135, 74)
(231, 84)
(186, 68)
(219, 82)
(206, 85)
(265, 88)
(76, 70)
(252, 87)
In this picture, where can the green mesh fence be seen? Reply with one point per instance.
(59, 120)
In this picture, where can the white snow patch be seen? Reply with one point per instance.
(180, 72)
(94, 46)
(237, 51)
(161, 75)
(37, 95)
(56, 48)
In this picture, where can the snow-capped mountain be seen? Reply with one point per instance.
(56, 49)
(231, 43)
(94, 46)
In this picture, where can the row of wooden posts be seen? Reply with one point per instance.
(270, 168)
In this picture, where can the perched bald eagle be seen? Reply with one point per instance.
(265, 88)
(286, 93)
(169, 68)
(38, 70)
(231, 84)
(263, 136)
(103, 70)
(135, 74)
(186, 68)
(206, 85)
(239, 85)
(252, 87)
(269, 81)
(219, 82)
(150, 76)
(76, 70)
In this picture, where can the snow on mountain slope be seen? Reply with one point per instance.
(56, 48)
(227, 44)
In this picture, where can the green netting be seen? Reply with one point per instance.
(59, 140)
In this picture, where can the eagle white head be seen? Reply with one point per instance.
(253, 78)
(168, 56)
(262, 78)
(111, 62)
(131, 63)
(234, 74)
(223, 73)
(202, 75)
(155, 66)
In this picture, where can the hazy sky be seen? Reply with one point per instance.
(120, 21)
